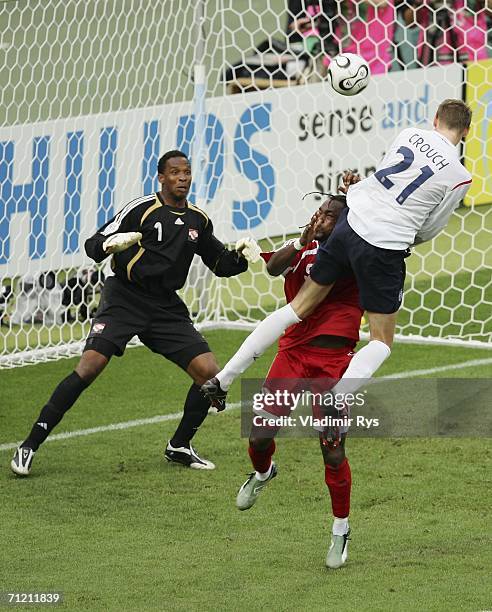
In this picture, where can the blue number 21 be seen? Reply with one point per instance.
(408, 157)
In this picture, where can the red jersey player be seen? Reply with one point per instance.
(319, 347)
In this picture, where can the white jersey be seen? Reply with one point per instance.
(412, 194)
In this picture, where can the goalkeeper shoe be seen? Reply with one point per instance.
(338, 551)
(248, 493)
(217, 396)
(187, 456)
(21, 463)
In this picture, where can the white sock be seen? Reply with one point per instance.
(256, 344)
(340, 526)
(362, 367)
(264, 475)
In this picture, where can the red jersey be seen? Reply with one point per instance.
(339, 314)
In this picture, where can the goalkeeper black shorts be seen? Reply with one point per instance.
(380, 273)
(164, 328)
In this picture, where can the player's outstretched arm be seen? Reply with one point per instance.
(278, 262)
(439, 217)
(217, 257)
(121, 242)
(98, 246)
(249, 249)
(118, 234)
(281, 260)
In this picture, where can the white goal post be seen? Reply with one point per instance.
(94, 92)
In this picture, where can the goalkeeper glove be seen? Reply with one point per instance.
(249, 249)
(120, 242)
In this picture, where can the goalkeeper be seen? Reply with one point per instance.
(152, 240)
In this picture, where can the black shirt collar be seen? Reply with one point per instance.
(161, 200)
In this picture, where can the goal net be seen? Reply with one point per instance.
(94, 92)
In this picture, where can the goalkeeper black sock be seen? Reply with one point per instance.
(195, 410)
(63, 398)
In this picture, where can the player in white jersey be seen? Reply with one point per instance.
(417, 186)
(408, 200)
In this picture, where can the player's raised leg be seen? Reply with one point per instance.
(91, 364)
(339, 482)
(264, 335)
(253, 347)
(369, 359)
(380, 275)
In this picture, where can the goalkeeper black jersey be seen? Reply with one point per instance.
(159, 264)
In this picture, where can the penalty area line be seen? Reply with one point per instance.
(162, 418)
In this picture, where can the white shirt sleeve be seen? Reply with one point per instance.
(439, 217)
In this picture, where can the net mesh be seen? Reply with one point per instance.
(94, 92)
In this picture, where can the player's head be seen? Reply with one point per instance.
(174, 174)
(453, 116)
(328, 214)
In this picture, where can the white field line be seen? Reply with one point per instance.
(160, 418)
(177, 415)
(451, 366)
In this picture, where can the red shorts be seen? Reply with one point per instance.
(298, 369)
(306, 361)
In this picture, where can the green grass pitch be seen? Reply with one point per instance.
(106, 521)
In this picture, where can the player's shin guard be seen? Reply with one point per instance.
(63, 398)
(195, 411)
(256, 344)
(339, 482)
(262, 459)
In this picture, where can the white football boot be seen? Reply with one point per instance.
(248, 493)
(338, 551)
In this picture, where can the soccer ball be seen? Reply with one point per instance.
(349, 74)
